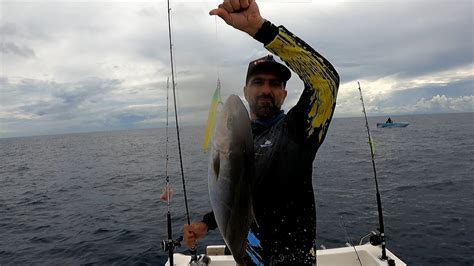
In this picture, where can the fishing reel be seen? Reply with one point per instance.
(200, 260)
(170, 244)
(375, 238)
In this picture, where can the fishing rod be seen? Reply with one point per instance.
(170, 244)
(379, 201)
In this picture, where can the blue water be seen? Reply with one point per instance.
(93, 198)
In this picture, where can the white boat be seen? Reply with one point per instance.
(366, 254)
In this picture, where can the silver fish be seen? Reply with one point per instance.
(231, 175)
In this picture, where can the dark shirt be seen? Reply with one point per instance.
(285, 147)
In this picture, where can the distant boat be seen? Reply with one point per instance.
(392, 124)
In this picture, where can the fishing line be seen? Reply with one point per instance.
(349, 239)
(217, 62)
(167, 188)
(178, 98)
(216, 49)
(216, 101)
(193, 250)
(168, 244)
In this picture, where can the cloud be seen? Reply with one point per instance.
(7, 29)
(52, 100)
(408, 38)
(387, 95)
(37, 107)
(11, 48)
(441, 103)
(437, 104)
(76, 66)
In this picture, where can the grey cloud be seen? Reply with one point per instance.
(411, 96)
(194, 109)
(349, 64)
(12, 48)
(364, 40)
(25, 31)
(129, 120)
(433, 98)
(8, 29)
(65, 100)
(74, 94)
(441, 104)
(436, 104)
(3, 81)
(148, 12)
(121, 116)
(90, 104)
(53, 110)
(409, 38)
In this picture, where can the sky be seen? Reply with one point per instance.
(78, 66)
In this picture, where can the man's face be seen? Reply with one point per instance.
(265, 93)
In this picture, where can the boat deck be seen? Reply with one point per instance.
(367, 254)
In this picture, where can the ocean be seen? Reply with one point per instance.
(94, 198)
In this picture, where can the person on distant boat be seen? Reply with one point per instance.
(389, 120)
(285, 145)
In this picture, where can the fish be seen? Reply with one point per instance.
(231, 175)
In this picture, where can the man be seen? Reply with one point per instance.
(285, 145)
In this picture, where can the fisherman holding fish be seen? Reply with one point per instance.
(283, 229)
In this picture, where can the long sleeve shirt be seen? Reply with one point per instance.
(285, 148)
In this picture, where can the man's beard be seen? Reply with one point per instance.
(264, 110)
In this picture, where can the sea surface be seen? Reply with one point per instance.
(93, 198)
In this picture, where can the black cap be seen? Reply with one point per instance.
(268, 63)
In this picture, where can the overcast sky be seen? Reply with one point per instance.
(75, 66)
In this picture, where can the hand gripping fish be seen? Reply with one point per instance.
(231, 175)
